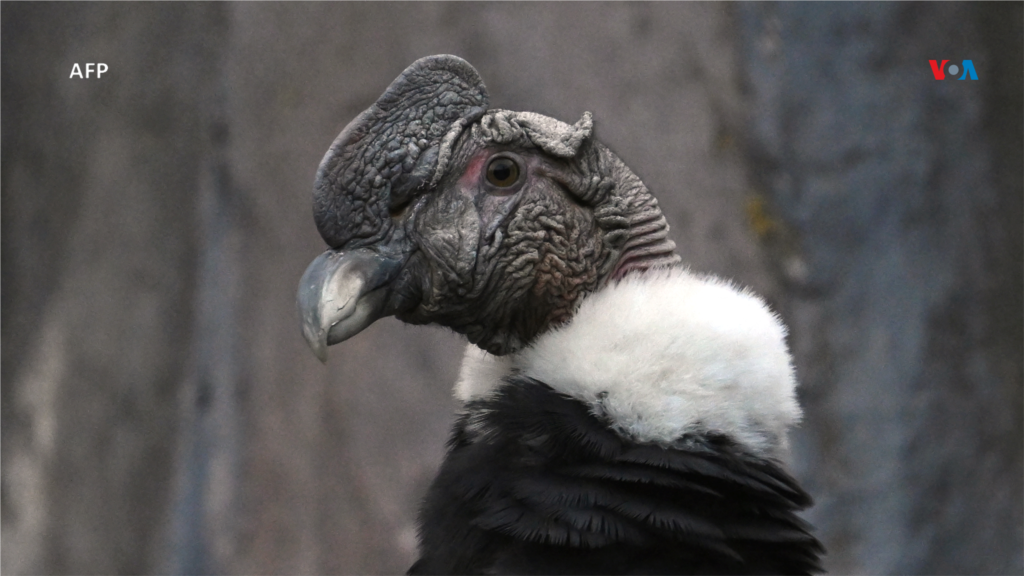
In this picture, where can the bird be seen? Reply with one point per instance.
(619, 413)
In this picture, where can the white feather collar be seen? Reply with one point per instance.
(662, 354)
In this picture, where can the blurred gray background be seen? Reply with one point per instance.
(160, 410)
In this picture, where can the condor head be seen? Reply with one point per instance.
(491, 222)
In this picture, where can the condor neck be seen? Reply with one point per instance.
(661, 355)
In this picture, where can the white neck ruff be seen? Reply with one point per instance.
(659, 355)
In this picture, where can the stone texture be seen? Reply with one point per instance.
(898, 241)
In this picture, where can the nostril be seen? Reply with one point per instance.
(400, 209)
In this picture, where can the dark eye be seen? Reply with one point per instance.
(502, 172)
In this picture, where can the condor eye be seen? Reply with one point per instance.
(503, 172)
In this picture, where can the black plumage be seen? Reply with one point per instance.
(534, 483)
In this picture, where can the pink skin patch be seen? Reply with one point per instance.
(471, 177)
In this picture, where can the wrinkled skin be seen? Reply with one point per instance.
(418, 230)
(501, 264)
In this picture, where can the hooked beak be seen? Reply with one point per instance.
(341, 293)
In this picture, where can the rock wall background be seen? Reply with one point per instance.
(160, 412)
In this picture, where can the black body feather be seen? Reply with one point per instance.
(534, 483)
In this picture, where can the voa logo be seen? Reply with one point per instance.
(939, 70)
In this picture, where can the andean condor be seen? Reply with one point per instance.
(621, 415)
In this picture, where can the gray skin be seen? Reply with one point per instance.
(417, 228)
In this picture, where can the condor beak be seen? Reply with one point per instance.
(341, 293)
